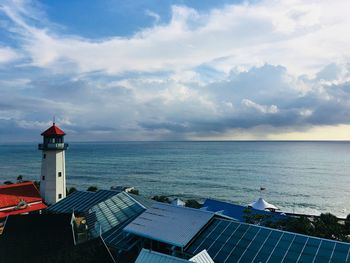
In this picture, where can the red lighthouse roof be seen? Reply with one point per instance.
(53, 130)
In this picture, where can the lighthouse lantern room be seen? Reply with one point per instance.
(53, 170)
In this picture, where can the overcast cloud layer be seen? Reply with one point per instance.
(262, 68)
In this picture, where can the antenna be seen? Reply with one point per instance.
(54, 119)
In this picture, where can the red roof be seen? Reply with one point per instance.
(53, 130)
(11, 195)
(29, 208)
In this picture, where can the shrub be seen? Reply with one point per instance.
(193, 203)
(134, 191)
(92, 188)
(161, 198)
(71, 190)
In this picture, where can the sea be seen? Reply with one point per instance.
(301, 177)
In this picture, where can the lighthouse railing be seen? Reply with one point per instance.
(53, 146)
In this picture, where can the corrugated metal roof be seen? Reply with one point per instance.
(231, 241)
(237, 211)
(81, 201)
(202, 257)
(146, 202)
(169, 224)
(147, 256)
(111, 213)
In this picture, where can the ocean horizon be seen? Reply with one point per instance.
(299, 176)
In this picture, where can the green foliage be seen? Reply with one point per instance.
(256, 219)
(71, 190)
(324, 226)
(134, 191)
(161, 198)
(347, 225)
(20, 178)
(327, 226)
(8, 182)
(92, 188)
(193, 203)
(301, 225)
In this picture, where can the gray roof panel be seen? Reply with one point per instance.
(169, 224)
(81, 201)
(230, 241)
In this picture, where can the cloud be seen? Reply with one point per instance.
(266, 68)
(302, 36)
(7, 55)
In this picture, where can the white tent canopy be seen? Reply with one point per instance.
(178, 202)
(261, 204)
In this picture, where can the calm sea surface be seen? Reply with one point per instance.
(309, 177)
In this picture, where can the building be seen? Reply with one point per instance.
(149, 256)
(53, 170)
(184, 233)
(105, 213)
(21, 198)
(169, 227)
(232, 241)
(239, 212)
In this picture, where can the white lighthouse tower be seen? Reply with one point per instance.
(53, 169)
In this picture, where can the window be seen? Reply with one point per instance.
(59, 196)
(43, 177)
(59, 174)
(44, 156)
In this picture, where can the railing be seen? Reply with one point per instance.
(53, 146)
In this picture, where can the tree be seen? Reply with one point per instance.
(327, 226)
(71, 190)
(161, 198)
(347, 225)
(92, 188)
(301, 225)
(8, 182)
(193, 203)
(134, 191)
(256, 218)
(19, 179)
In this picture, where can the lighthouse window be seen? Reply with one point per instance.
(59, 174)
(43, 177)
(44, 156)
(59, 196)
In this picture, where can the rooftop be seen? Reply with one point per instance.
(231, 241)
(111, 216)
(169, 224)
(53, 130)
(81, 201)
(148, 256)
(19, 198)
(237, 211)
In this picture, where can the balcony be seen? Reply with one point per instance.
(53, 146)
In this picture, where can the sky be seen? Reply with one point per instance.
(116, 70)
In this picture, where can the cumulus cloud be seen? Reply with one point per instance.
(302, 36)
(258, 68)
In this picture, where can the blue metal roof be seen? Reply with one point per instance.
(110, 216)
(81, 201)
(237, 211)
(231, 241)
(169, 224)
(148, 256)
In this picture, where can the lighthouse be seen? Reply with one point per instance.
(53, 169)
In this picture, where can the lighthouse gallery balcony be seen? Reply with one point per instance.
(53, 146)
